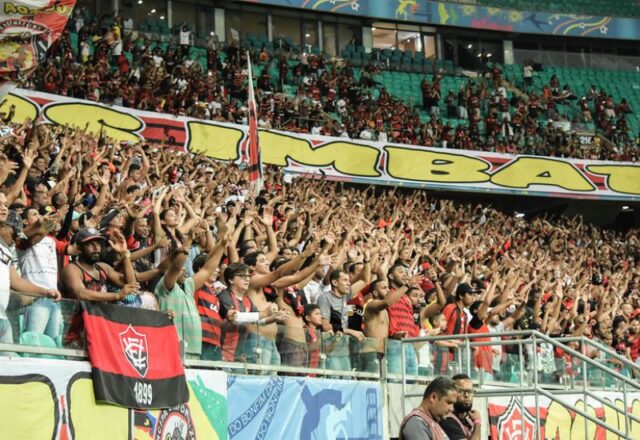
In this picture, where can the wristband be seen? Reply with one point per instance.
(477, 422)
(126, 255)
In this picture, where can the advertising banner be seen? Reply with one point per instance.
(302, 408)
(54, 399)
(467, 14)
(344, 159)
(512, 420)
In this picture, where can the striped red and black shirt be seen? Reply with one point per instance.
(209, 311)
(401, 318)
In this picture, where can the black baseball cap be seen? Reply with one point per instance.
(465, 288)
(86, 235)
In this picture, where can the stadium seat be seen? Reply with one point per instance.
(38, 340)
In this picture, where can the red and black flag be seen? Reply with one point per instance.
(28, 29)
(255, 155)
(135, 357)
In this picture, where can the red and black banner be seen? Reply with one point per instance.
(135, 357)
(27, 30)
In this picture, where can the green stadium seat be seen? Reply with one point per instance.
(38, 340)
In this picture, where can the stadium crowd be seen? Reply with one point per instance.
(292, 269)
(310, 93)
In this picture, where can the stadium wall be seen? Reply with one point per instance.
(53, 399)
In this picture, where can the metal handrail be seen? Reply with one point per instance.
(604, 402)
(584, 414)
(581, 339)
(532, 337)
(529, 333)
(82, 354)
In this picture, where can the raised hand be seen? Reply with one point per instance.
(157, 205)
(310, 249)
(267, 216)
(118, 242)
(7, 168)
(415, 280)
(325, 259)
(248, 218)
(28, 157)
(105, 177)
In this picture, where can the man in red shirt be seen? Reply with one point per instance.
(401, 325)
(634, 341)
(401, 319)
(457, 320)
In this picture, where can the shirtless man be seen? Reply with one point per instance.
(376, 318)
(262, 277)
(293, 347)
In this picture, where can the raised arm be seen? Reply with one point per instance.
(212, 263)
(434, 309)
(267, 220)
(175, 269)
(13, 192)
(307, 272)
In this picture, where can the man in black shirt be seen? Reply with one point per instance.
(463, 423)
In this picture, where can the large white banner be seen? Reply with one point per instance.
(344, 159)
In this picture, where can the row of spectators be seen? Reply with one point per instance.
(90, 219)
(315, 95)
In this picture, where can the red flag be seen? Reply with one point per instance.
(255, 157)
(135, 357)
(27, 31)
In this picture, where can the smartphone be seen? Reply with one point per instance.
(157, 192)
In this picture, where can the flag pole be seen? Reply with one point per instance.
(255, 156)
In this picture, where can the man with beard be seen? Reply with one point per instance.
(402, 323)
(464, 422)
(87, 279)
(437, 402)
